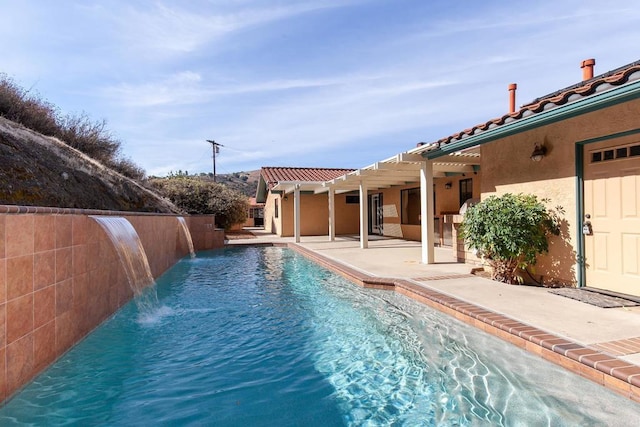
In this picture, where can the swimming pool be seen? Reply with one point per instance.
(262, 336)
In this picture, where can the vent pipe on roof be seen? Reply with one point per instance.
(587, 69)
(512, 97)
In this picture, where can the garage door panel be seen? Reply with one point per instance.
(600, 191)
(631, 254)
(630, 200)
(600, 259)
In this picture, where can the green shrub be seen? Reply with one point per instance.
(509, 232)
(197, 196)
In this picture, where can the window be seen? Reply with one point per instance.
(352, 200)
(615, 153)
(410, 206)
(466, 190)
(608, 155)
(621, 152)
(255, 213)
(275, 208)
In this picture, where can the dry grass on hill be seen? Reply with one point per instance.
(43, 171)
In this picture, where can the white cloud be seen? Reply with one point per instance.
(189, 87)
(184, 88)
(297, 81)
(168, 29)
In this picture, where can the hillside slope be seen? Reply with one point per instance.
(242, 182)
(37, 170)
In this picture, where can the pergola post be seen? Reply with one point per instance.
(332, 214)
(427, 213)
(296, 212)
(364, 216)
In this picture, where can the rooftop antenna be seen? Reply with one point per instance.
(216, 149)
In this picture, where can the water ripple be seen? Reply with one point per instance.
(264, 337)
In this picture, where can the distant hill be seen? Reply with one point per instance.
(243, 182)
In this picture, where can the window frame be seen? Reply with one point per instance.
(467, 183)
(404, 219)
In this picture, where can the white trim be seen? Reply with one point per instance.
(332, 214)
(296, 213)
(364, 216)
(427, 213)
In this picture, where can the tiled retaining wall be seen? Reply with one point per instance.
(203, 232)
(60, 277)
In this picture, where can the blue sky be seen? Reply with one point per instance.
(316, 83)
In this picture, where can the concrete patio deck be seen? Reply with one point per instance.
(602, 340)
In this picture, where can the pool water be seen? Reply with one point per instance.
(263, 337)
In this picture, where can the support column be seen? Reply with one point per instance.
(296, 213)
(332, 214)
(427, 213)
(364, 216)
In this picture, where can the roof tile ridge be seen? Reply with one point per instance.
(587, 88)
(304, 168)
(621, 77)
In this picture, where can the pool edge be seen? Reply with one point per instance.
(606, 370)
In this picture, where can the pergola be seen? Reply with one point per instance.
(401, 169)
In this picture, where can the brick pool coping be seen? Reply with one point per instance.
(607, 370)
(17, 209)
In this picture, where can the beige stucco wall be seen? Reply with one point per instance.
(447, 200)
(271, 223)
(507, 168)
(392, 213)
(314, 215)
(347, 216)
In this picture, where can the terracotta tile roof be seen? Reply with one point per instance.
(273, 175)
(601, 83)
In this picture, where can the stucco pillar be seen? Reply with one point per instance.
(427, 213)
(332, 214)
(364, 216)
(296, 213)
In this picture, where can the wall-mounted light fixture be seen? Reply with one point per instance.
(538, 153)
(448, 185)
(286, 197)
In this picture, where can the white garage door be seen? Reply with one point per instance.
(612, 204)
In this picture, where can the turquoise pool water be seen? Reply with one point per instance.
(263, 337)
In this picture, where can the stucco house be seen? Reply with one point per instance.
(578, 147)
(255, 214)
(278, 188)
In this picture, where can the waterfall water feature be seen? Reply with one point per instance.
(133, 258)
(187, 235)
